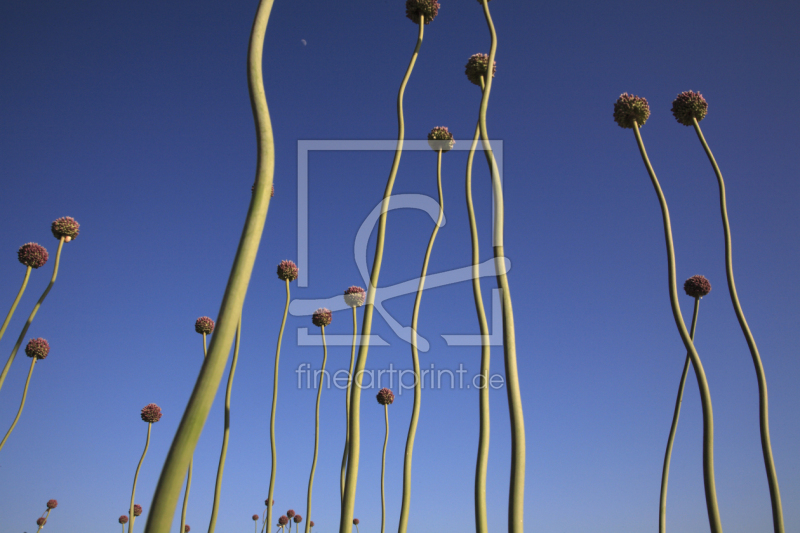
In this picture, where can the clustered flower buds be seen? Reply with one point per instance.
(425, 8)
(287, 270)
(137, 509)
(385, 396)
(150, 413)
(41, 521)
(204, 325)
(477, 67)
(441, 139)
(186, 528)
(266, 502)
(354, 296)
(283, 520)
(38, 348)
(255, 517)
(123, 519)
(65, 227)
(311, 524)
(697, 286)
(630, 108)
(52, 504)
(356, 521)
(298, 519)
(290, 513)
(321, 317)
(688, 105)
(32, 255)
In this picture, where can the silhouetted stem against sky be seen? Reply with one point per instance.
(343, 473)
(383, 470)
(21, 405)
(16, 301)
(131, 516)
(316, 434)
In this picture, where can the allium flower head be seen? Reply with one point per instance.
(255, 517)
(321, 317)
(297, 519)
(290, 513)
(385, 396)
(150, 413)
(441, 139)
(311, 524)
(477, 66)
(356, 521)
(38, 348)
(426, 8)
(123, 519)
(266, 502)
(32, 255)
(689, 104)
(697, 286)
(283, 520)
(629, 108)
(354, 296)
(52, 504)
(186, 528)
(137, 510)
(204, 325)
(41, 521)
(287, 270)
(66, 227)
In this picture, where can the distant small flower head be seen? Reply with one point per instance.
(66, 227)
(52, 504)
(38, 348)
(426, 8)
(385, 396)
(311, 524)
(689, 104)
(441, 139)
(41, 521)
(354, 296)
(151, 413)
(356, 521)
(32, 255)
(322, 317)
(629, 108)
(123, 519)
(697, 286)
(204, 325)
(186, 528)
(290, 513)
(255, 517)
(283, 520)
(137, 510)
(477, 66)
(287, 270)
(266, 502)
(297, 519)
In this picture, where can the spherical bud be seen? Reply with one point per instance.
(41, 521)
(311, 524)
(629, 108)
(204, 325)
(137, 510)
(266, 502)
(354, 296)
(65, 227)
(32, 255)
(356, 521)
(688, 105)
(477, 67)
(123, 519)
(290, 513)
(283, 520)
(425, 8)
(385, 396)
(441, 139)
(297, 519)
(321, 317)
(287, 270)
(697, 286)
(151, 413)
(186, 528)
(52, 504)
(38, 348)
(255, 517)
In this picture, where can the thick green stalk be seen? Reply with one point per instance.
(405, 506)
(705, 395)
(225, 434)
(131, 516)
(21, 405)
(316, 434)
(763, 399)
(32, 315)
(347, 404)
(349, 500)
(516, 497)
(383, 470)
(165, 497)
(186, 494)
(662, 508)
(16, 301)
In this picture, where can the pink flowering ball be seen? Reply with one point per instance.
(697, 286)
(38, 348)
(297, 519)
(417, 8)
(629, 108)
(41, 521)
(32, 255)
(204, 325)
(322, 317)
(354, 296)
(385, 396)
(287, 270)
(266, 502)
(440, 138)
(66, 227)
(311, 524)
(255, 517)
(689, 105)
(52, 504)
(283, 520)
(123, 519)
(151, 413)
(137, 510)
(186, 528)
(477, 67)
(356, 521)
(290, 513)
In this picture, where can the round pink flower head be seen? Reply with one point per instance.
(137, 510)
(354, 296)
(204, 325)
(52, 504)
(298, 519)
(41, 521)
(688, 105)
(311, 524)
(123, 519)
(287, 270)
(385, 396)
(66, 227)
(38, 348)
(290, 513)
(356, 521)
(186, 528)
(425, 8)
(441, 139)
(266, 502)
(322, 317)
(697, 286)
(32, 255)
(255, 517)
(477, 67)
(151, 413)
(283, 520)
(629, 108)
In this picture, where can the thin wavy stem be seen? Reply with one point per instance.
(16, 301)
(33, 314)
(186, 494)
(763, 397)
(662, 508)
(316, 434)
(131, 516)
(347, 404)
(383, 471)
(705, 395)
(348, 502)
(21, 405)
(273, 448)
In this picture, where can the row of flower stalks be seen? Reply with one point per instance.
(34, 256)
(689, 108)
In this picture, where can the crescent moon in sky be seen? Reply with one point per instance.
(303, 41)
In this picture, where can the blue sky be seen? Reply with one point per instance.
(134, 119)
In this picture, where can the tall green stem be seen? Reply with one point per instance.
(662, 508)
(383, 470)
(348, 502)
(763, 400)
(705, 395)
(16, 301)
(316, 433)
(165, 496)
(347, 403)
(135, 477)
(21, 405)
(32, 315)
(186, 494)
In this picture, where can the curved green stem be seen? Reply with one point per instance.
(165, 496)
(316, 433)
(186, 495)
(348, 502)
(662, 508)
(763, 400)
(21, 405)
(16, 301)
(271, 492)
(383, 470)
(32, 315)
(45, 521)
(136, 476)
(705, 395)
(405, 506)
(347, 404)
